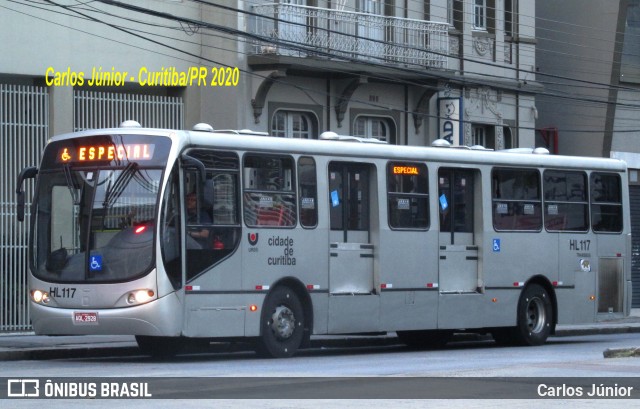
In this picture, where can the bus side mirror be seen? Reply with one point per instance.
(27, 173)
(189, 161)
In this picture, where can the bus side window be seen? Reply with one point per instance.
(269, 194)
(408, 195)
(606, 202)
(565, 201)
(516, 200)
(308, 192)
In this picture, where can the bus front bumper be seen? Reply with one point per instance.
(161, 317)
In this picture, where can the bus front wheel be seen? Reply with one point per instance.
(282, 326)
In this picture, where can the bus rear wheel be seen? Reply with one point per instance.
(535, 316)
(282, 327)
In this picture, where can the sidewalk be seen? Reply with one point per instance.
(27, 346)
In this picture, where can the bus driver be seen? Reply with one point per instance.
(195, 218)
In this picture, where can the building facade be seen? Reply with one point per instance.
(588, 59)
(403, 71)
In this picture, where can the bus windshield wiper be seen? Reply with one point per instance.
(69, 178)
(114, 191)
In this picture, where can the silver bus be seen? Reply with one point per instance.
(176, 235)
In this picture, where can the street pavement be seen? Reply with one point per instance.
(27, 346)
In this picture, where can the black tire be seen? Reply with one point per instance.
(535, 316)
(424, 339)
(282, 326)
(159, 347)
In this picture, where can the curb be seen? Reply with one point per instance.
(618, 329)
(621, 352)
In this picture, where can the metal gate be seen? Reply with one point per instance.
(92, 110)
(24, 129)
(634, 193)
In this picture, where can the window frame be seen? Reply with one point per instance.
(495, 201)
(480, 15)
(288, 122)
(301, 205)
(289, 207)
(419, 195)
(509, 18)
(478, 135)
(584, 202)
(369, 120)
(618, 204)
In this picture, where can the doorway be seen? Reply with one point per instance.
(458, 266)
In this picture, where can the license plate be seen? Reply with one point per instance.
(85, 318)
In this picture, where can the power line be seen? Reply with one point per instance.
(481, 62)
(235, 11)
(560, 96)
(227, 8)
(174, 17)
(170, 46)
(307, 49)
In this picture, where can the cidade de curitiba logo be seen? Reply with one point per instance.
(37, 388)
(253, 238)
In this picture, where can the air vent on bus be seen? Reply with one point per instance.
(130, 124)
(202, 127)
(441, 143)
(332, 136)
(535, 151)
(479, 148)
(242, 132)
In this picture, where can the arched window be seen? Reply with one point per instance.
(374, 127)
(293, 124)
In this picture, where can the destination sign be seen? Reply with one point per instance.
(405, 170)
(102, 153)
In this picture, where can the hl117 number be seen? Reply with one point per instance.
(579, 245)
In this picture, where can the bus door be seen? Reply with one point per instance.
(458, 266)
(352, 202)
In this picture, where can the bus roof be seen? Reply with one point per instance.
(257, 142)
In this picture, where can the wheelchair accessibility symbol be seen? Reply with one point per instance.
(496, 245)
(95, 263)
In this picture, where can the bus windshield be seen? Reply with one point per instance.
(95, 208)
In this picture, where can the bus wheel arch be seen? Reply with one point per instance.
(286, 320)
(536, 313)
(538, 295)
(546, 284)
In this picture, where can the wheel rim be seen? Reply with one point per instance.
(283, 322)
(536, 315)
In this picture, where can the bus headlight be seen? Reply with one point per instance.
(140, 296)
(40, 297)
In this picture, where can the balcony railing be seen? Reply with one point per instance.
(301, 31)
